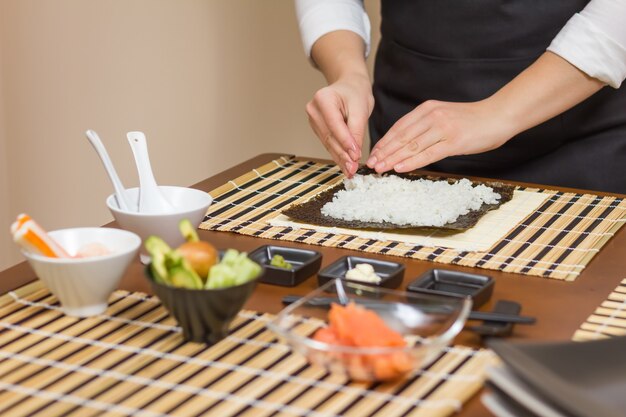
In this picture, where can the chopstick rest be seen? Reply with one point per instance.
(498, 328)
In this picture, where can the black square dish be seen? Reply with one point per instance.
(455, 283)
(304, 264)
(391, 273)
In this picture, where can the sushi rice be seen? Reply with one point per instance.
(421, 202)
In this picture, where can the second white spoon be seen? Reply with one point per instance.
(151, 199)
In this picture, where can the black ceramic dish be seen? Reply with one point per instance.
(584, 379)
(510, 392)
(203, 315)
(391, 273)
(506, 405)
(455, 283)
(305, 263)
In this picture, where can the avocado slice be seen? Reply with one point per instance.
(158, 250)
(184, 278)
(155, 244)
(188, 231)
(158, 269)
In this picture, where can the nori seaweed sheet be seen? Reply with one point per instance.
(311, 211)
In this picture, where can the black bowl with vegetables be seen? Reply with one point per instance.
(203, 305)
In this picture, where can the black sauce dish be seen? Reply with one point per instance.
(391, 273)
(455, 283)
(304, 262)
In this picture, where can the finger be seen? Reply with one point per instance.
(406, 122)
(429, 156)
(338, 154)
(405, 139)
(351, 168)
(357, 124)
(414, 146)
(340, 157)
(397, 138)
(334, 120)
(322, 131)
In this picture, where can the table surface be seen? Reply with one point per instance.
(560, 307)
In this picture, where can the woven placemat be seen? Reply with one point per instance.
(557, 241)
(132, 360)
(608, 320)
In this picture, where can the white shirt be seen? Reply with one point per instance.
(593, 40)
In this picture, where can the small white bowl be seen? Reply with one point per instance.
(83, 285)
(189, 203)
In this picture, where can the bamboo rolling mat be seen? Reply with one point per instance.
(608, 320)
(132, 360)
(557, 241)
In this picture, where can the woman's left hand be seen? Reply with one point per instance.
(435, 130)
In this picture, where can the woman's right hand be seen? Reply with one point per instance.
(338, 115)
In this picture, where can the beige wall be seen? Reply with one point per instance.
(211, 82)
(7, 255)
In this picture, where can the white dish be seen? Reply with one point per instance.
(83, 285)
(188, 203)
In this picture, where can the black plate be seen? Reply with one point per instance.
(305, 263)
(502, 405)
(391, 273)
(587, 379)
(513, 393)
(455, 283)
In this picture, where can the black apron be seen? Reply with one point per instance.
(465, 50)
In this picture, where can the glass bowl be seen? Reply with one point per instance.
(428, 323)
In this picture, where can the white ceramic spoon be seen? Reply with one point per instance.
(151, 200)
(120, 192)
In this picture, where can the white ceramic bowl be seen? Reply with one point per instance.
(189, 203)
(83, 285)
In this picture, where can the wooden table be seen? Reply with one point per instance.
(559, 306)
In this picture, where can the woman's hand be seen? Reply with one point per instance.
(338, 115)
(435, 130)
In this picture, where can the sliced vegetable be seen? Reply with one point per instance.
(169, 266)
(194, 264)
(184, 277)
(235, 268)
(158, 268)
(188, 231)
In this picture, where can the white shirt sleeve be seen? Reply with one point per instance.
(319, 17)
(594, 41)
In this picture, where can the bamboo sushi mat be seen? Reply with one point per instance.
(556, 241)
(608, 320)
(132, 360)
